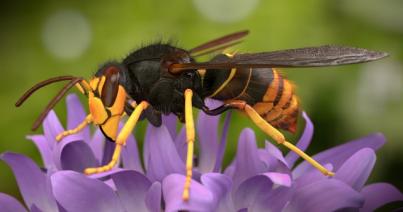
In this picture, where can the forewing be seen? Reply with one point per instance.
(303, 57)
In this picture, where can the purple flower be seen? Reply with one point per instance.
(256, 180)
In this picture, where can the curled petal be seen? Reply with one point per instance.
(77, 156)
(255, 191)
(10, 204)
(379, 194)
(76, 192)
(33, 183)
(337, 155)
(163, 159)
(303, 142)
(132, 188)
(76, 115)
(201, 199)
(325, 195)
(207, 130)
(154, 197)
(356, 170)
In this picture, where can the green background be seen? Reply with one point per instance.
(37, 41)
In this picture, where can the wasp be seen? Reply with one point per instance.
(162, 79)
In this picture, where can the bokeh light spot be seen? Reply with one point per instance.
(380, 84)
(225, 11)
(66, 34)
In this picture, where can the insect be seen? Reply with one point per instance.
(161, 79)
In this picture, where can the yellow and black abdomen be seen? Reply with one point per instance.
(265, 89)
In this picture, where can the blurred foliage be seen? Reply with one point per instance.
(329, 95)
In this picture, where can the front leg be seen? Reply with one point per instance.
(190, 137)
(121, 139)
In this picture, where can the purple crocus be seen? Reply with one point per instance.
(256, 180)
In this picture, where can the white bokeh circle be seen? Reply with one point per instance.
(225, 11)
(380, 84)
(66, 34)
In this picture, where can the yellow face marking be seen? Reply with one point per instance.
(97, 109)
(231, 75)
(110, 127)
(94, 83)
(109, 122)
(101, 85)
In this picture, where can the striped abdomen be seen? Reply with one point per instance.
(265, 89)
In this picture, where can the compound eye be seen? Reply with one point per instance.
(111, 86)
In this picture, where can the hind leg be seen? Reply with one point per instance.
(276, 134)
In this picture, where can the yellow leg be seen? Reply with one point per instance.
(278, 136)
(190, 137)
(121, 140)
(81, 126)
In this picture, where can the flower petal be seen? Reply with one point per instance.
(52, 127)
(109, 148)
(77, 156)
(223, 143)
(250, 190)
(325, 195)
(207, 130)
(130, 155)
(170, 123)
(311, 177)
(33, 183)
(201, 199)
(212, 103)
(379, 194)
(247, 161)
(273, 158)
(275, 200)
(45, 150)
(163, 159)
(154, 197)
(76, 192)
(303, 142)
(257, 194)
(10, 204)
(76, 115)
(132, 188)
(337, 155)
(180, 143)
(97, 144)
(220, 185)
(356, 170)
